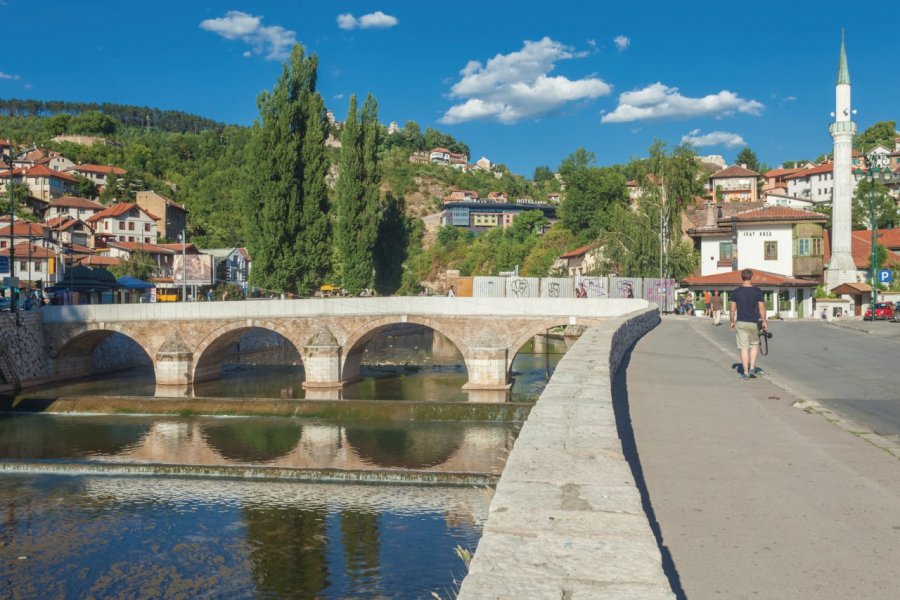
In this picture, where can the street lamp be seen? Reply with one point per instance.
(879, 170)
(182, 237)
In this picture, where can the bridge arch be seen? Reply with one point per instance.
(218, 344)
(355, 344)
(253, 441)
(529, 333)
(96, 347)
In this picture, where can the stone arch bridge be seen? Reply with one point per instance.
(186, 341)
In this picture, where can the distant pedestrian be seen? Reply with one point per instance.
(715, 306)
(581, 292)
(689, 305)
(451, 292)
(209, 295)
(707, 298)
(682, 304)
(747, 314)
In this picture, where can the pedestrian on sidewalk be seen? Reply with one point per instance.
(716, 305)
(707, 298)
(747, 308)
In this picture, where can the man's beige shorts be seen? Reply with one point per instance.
(747, 334)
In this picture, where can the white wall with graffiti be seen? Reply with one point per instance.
(658, 291)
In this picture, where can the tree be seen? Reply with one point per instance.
(886, 212)
(392, 247)
(139, 265)
(542, 174)
(590, 193)
(285, 197)
(748, 157)
(579, 160)
(94, 122)
(412, 136)
(357, 197)
(57, 124)
(882, 133)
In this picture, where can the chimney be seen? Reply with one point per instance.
(743, 165)
(711, 214)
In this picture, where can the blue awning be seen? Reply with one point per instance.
(133, 283)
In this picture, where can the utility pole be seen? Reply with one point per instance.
(8, 159)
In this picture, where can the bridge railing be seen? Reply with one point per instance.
(394, 305)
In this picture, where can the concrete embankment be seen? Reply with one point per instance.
(567, 519)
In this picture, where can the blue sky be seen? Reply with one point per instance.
(523, 83)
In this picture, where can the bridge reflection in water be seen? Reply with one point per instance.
(271, 442)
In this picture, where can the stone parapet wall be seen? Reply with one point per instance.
(24, 344)
(566, 520)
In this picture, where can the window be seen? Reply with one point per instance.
(37, 267)
(131, 226)
(803, 247)
(121, 238)
(106, 225)
(130, 238)
(726, 251)
(771, 251)
(23, 266)
(147, 227)
(121, 225)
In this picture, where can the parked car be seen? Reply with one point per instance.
(883, 310)
(897, 312)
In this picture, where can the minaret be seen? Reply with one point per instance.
(842, 269)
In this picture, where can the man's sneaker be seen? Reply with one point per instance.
(746, 376)
(756, 371)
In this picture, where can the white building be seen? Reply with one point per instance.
(125, 222)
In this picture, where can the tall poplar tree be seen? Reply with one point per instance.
(285, 203)
(357, 192)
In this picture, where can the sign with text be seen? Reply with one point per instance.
(885, 276)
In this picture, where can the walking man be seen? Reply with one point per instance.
(716, 307)
(747, 307)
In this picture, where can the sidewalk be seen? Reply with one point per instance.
(754, 497)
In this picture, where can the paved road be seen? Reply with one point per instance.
(851, 369)
(751, 496)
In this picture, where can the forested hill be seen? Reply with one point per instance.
(127, 115)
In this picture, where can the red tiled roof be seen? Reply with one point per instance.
(444, 150)
(759, 278)
(5, 143)
(108, 169)
(74, 202)
(189, 248)
(861, 247)
(36, 251)
(823, 168)
(99, 260)
(25, 228)
(577, 252)
(781, 172)
(776, 213)
(81, 249)
(43, 171)
(117, 210)
(142, 247)
(734, 171)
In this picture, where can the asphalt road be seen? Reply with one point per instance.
(853, 371)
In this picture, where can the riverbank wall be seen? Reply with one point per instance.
(21, 350)
(567, 519)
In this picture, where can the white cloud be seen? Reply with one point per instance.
(658, 101)
(8, 76)
(274, 41)
(622, 42)
(338, 96)
(516, 86)
(375, 20)
(790, 98)
(713, 138)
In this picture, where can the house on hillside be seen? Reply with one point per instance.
(231, 265)
(125, 222)
(171, 216)
(98, 174)
(734, 184)
(46, 184)
(67, 231)
(72, 206)
(580, 261)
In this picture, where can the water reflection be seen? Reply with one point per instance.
(131, 537)
(271, 442)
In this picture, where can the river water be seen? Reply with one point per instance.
(75, 533)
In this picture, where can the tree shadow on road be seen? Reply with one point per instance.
(629, 448)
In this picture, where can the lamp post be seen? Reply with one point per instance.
(8, 160)
(879, 170)
(182, 237)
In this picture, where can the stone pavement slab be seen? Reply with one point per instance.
(755, 497)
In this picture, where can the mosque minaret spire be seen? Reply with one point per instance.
(842, 269)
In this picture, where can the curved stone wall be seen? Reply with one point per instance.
(566, 520)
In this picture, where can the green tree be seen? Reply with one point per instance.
(887, 214)
(748, 157)
(542, 174)
(882, 133)
(139, 265)
(85, 188)
(357, 195)
(94, 122)
(412, 136)
(285, 197)
(392, 247)
(577, 161)
(57, 124)
(590, 192)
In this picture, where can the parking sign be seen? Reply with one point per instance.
(4, 264)
(885, 276)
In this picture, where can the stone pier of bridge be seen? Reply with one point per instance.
(188, 342)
